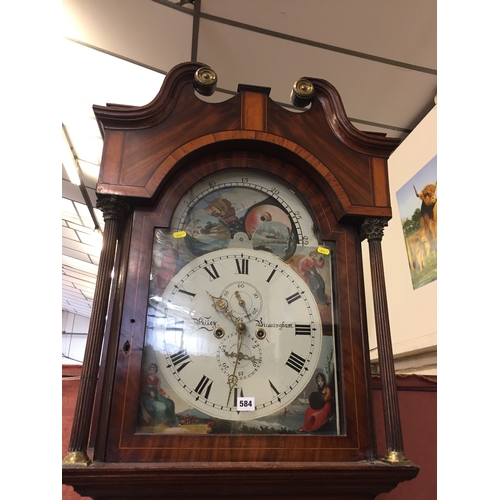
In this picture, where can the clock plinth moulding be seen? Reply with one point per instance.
(153, 157)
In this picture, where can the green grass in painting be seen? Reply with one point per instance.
(427, 274)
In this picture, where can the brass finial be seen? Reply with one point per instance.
(302, 93)
(205, 80)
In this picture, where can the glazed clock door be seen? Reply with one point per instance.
(239, 337)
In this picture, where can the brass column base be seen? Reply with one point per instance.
(397, 457)
(76, 458)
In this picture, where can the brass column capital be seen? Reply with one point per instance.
(373, 228)
(112, 207)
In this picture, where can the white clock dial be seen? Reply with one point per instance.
(237, 323)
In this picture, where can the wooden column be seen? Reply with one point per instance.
(373, 229)
(113, 210)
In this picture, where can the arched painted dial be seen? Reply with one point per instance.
(237, 323)
(242, 208)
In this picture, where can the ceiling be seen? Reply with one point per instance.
(380, 55)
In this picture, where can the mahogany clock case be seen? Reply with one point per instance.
(153, 155)
(353, 440)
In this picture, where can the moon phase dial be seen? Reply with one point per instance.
(239, 208)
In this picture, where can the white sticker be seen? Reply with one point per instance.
(245, 404)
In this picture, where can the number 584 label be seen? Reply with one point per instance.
(245, 404)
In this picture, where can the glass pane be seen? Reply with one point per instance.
(240, 332)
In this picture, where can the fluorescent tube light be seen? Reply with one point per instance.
(69, 160)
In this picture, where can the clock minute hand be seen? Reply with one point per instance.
(232, 380)
(222, 306)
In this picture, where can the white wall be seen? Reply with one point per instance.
(74, 337)
(412, 312)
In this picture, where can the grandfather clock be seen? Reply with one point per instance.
(233, 334)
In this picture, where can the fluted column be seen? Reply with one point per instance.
(113, 210)
(373, 229)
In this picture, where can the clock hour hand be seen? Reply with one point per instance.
(219, 304)
(240, 356)
(222, 306)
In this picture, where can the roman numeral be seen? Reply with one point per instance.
(274, 390)
(271, 275)
(204, 387)
(180, 359)
(242, 266)
(236, 395)
(293, 297)
(185, 292)
(302, 329)
(212, 271)
(296, 362)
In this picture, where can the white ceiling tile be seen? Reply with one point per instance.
(69, 233)
(84, 214)
(402, 31)
(81, 307)
(69, 211)
(90, 172)
(81, 229)
(71, 192)
(94, 259)
(102, 79)
(75, 254)
(375, 92)
(86, 147)
(78, 284)
(139, 30)
(78, 246)
(88, 294)
(77, 275)
(72, 292)
(81, 265)
(91, 239)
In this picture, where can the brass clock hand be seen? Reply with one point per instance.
(232, 380)
(222, 306)
(241, 356)
(219, 304)
(242, 304)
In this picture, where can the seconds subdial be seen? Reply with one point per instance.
(244, 299)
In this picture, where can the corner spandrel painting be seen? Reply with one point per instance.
(259, 218)
(417, 202)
